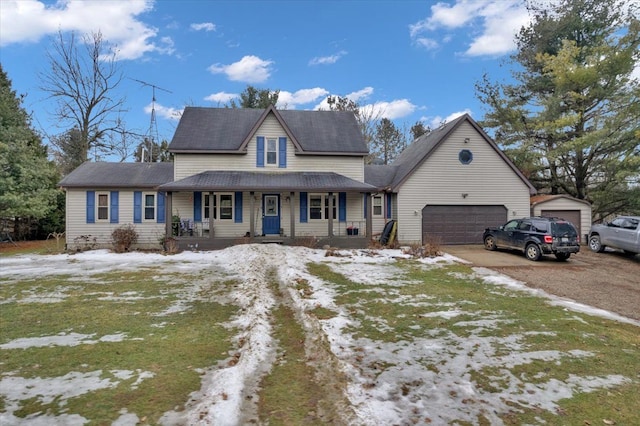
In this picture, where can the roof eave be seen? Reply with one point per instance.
(334, 153)
(258, 123)
(207, 151)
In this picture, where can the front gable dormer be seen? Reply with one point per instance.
(271, 140)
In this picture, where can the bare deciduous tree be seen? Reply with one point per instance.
(83, 78)
(367, 118)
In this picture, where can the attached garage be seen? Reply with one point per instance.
(572, 209)
(459, 224)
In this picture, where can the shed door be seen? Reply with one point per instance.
(572, 216)
(460, 224)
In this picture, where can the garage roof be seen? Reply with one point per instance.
(420, 149)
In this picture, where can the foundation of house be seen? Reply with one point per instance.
(199, 243)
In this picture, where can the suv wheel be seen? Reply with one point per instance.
(490, 242)
(532, 252)
(562, 256)
(595, 244)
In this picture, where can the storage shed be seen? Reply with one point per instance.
(564, 206)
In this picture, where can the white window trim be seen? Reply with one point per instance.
(98, 194)
(373, 205)
(266, 152)
(144, 206)
(205, 206)
(217, 208)
(324, 198)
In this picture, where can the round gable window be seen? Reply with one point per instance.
(465, 156)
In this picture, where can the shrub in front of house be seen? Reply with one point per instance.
(123, 237)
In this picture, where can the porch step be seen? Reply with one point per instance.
(272, 241)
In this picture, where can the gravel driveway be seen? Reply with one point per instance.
(609, 280)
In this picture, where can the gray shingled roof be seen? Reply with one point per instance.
(267, 181)
(379, 176)
(118, 175)
(420, 149)
(226, 129)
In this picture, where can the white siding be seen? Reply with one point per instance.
(442, 179)
(189, 164)
(567, 204)
(378, 222)
(149, 232)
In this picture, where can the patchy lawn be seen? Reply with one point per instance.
(286, 335)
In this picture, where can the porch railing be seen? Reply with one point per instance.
(189, 228)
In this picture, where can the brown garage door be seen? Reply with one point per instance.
(572, 216)
(460, 224)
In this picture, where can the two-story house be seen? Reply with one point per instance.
(280, 175)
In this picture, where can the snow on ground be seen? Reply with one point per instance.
(404, 388)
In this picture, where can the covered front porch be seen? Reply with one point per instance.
(218, 209)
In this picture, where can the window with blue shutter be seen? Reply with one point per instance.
(282, 153)
(197, 206)
(114, 207)
(260, 151)
(237, 217)
(91, 207)
(137, 207)
(303, 207)
(342, 207)
(161, 212)
(389, 205)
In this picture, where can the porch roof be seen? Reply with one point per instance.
(267, 181)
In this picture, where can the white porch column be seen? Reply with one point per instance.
(330, 214)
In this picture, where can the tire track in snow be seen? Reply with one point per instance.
(228, 392)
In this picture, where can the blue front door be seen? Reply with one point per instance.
(270, 214)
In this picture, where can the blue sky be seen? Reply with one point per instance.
(405, 60)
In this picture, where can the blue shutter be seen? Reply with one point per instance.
(303, 207)
(91, 207)
(160, 207)
(260, 152)
(114, 207)
(388, 205)
(365, 205)
(342, 207)
(282, 153)
(237, 214)
(137, 207)
(197, 206)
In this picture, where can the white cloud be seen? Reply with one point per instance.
(427, 43)
(499, 21)
(437, 121)
(221, 97)
(165, 112)
(391, 110)
(27, 21)
(502, 21)
(448, 16)
(205, 26)
(300, 97)
(357, 97)
(325, 60)
(360, 94)
(249, 69)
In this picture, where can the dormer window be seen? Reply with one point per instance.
(272, 152)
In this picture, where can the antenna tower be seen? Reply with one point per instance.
(152, 134)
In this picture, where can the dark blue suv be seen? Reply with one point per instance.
(535, 236)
